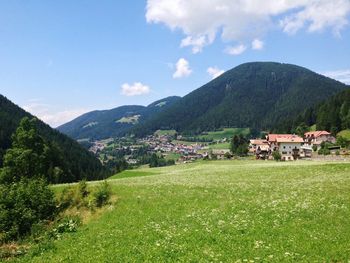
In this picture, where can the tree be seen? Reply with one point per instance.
(342, 142)
(301, 129)
(25, 198)
(30, 156)
(276, 156)
(239, 145)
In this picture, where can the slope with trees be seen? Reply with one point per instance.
(255, 95)
(331, 115)
(116, 122)
(78, 163)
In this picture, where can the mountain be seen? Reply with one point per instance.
(256, 95)
(115, 122)
(78, 162)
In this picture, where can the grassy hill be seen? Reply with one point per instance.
(229, 211)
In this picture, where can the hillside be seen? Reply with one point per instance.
(332, 115)
(113, 123)
(256, 95)
(217, 211)
(79, 163)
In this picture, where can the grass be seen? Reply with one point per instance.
(345, 134)
(225, 133)
(134, 173)
(228, 211)
(165, 132)
(219, 146)
(172, 156)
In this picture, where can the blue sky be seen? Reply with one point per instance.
(59, 59)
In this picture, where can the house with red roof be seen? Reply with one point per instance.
(288, 145)
(317, 137)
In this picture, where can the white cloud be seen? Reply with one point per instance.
(318, 15)
(196, 43)
(236, 50)
(182, 69)
(215, 72)
(340, 75)
(257, 44)
(47, 114)
(135, 89)
(245, 20)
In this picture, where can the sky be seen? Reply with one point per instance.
(60, 59)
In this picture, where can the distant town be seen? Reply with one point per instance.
(284, 147)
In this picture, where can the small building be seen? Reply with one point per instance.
(305, 151)
(260, 148)
(318, 137)
(289, 147)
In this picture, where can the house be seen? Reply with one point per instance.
(260, 148)
(290, 147)
(272, 140)
(306, 151)
(317, 137)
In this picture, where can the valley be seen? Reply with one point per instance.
(219, 210)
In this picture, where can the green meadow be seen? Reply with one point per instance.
(218, 211)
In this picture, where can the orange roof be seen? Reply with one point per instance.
(258, 141)
(316, 133)
(273, 137)
(294, 138)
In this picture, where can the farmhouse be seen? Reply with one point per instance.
(289, 147)
(317, 137)
(260, 148)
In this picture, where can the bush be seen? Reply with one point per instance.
(324, 151)
(276, 156)
(65, 225)
(23, 204)
(102, 194)
(314, 148)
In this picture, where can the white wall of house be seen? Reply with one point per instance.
(286, 149)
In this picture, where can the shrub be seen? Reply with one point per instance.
(23, 204)
(314, 148)
(65, 225)
(102, 194)
(324, 151)
(276, 156)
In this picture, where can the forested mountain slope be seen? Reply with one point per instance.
(113, 123)
(256, 95)
(331, 115)
(77, 163)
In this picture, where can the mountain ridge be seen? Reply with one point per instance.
(102, 124)
(254, 94)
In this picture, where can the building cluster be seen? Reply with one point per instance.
(165, 145)
(290, 146)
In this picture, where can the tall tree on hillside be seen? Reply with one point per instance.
(30, 156)
(25, 197)
(239, 145)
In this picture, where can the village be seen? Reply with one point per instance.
(288, 146)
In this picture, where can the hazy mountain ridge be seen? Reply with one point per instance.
(113, 123)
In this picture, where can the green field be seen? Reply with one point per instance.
(219, 211)
(225, 133)
(219, 146)
(165, 132)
